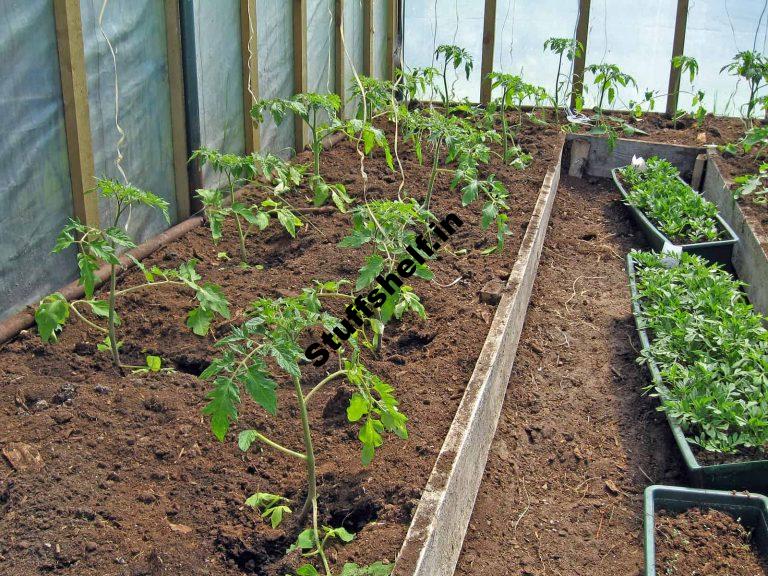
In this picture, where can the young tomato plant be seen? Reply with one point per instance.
(689, 65)
(415, 81)
(378, 96)
(307, 108)
(569, 48)
(270, 336)
(608, 78)
(389, 227)
(452, 56)
(97, 247)
(753, 67)
(278, 175)
(753, 185)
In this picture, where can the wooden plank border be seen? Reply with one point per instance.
(435, 536)
(300, 66)
(250, 55)
(678, 46)
(579, 63)
(489, 43)
(178, 111)
(77, 123)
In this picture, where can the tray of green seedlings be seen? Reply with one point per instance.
(688, 506)
(707, 352)
(669, 211)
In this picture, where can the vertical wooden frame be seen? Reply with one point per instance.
(392, 32)
(489, 42)
(368, 37)
(678, 47)
(74, 88)
(178, 113)
(582, 33)
(340, 80)
(300, 65)
(250, 56)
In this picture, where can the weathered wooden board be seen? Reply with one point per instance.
(433, 543)
(601, 160)
(749, 256)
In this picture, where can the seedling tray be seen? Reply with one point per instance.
(751, 475)
(719, 251)
(750, 510)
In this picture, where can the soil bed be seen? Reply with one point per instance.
(577, 441)
(133, 482)
(705, 543)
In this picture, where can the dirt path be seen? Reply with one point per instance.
(577, 442)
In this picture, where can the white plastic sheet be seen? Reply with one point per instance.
(219, 79)
(275, 39)
(35, 192)
(137, 31)
(353, 37)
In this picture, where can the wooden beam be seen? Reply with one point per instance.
(178, 114)
(392, 32)
(340, 80)
(300, 65)
(250, 57)
(678, 46)
(582, 32)
(368, 37)
(74, 89)
(489, 41)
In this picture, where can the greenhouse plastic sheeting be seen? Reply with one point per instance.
(637, 36)
(137, 31)
(353, 38)
(275, 33)
(321, 61)
(380, 60)
(219, 79)
(35, 192)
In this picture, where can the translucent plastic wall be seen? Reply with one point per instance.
(137, 30)
(218, 64)
(35, 193)
(274, 22)
(353, 23)
(321, 36)
(637, 36)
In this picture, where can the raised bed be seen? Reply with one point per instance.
(749, 510)
(715, 251)
(750, 255)
(749, 475)
(137, 476)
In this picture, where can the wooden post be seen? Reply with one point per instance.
(678, 46)
(489, 41)
(392, 31)
(300, 65)
(340, 81)
(250, 56)
(368, 40)
(582, 32)
(178, 114)
(74, 89)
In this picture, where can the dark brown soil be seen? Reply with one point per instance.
(131, 480)
(705, 543)
(577, 441)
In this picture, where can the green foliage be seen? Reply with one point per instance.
(570, 48)
(678, 211)
(415, 81)
(752, 67)
(711, 350)
(51, 315)
(608, 78)
(753, 185)
(456, 57)
(271, 507)
(378, 96)
(689, 65)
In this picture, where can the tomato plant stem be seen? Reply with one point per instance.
(112, 332)
(323, 382)
(280, 447)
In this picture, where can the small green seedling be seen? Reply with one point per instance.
(456, 57)
(751, 66)
(98, 247)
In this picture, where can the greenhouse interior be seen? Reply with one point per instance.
(384, 287)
